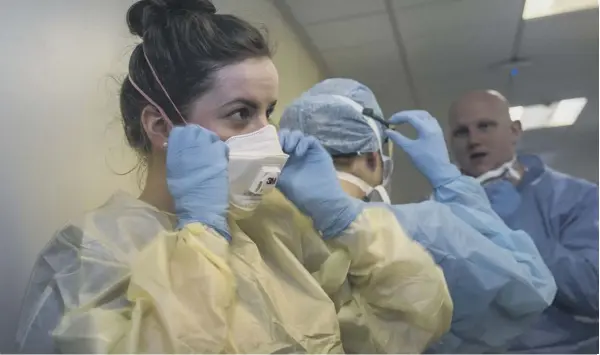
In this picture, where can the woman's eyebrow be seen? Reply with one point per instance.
(241, 101)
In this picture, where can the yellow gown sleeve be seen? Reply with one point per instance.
(390, 295)
(180, 297)
(400, 297)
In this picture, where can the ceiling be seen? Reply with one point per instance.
(424, 53)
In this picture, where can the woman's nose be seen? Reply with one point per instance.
(261, 122)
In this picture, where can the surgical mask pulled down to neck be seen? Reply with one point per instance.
(372, 194)
(507, 169)
(255, 163)
(502, 193)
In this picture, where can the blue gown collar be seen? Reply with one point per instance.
(535, 168)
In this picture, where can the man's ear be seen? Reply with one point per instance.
(516, 129)
(155, 127)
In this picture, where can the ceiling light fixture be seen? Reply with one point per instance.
(542, 8)
(557, 114)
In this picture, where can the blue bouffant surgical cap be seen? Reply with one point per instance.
(325, 113)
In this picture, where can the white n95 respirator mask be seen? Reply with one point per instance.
(255, 163)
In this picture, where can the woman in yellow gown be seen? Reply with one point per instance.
(211, 258)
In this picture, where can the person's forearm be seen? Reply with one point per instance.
(465, 191)
(576, 275)
(391, 272)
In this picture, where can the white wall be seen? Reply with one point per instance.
(58, 105)
(60, 121)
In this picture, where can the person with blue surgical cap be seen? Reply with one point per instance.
(498, 282)
(558, 211)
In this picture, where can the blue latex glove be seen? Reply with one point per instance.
(310, 182)
(428, 152)
(197, 177)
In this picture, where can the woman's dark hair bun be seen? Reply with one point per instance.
(146, 13)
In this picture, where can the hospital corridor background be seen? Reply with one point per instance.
(63, 151)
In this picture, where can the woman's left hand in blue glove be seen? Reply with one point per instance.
(428, 152)
(310, 182)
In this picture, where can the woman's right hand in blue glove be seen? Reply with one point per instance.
(197, 177)
(310, 182)
(428, 152)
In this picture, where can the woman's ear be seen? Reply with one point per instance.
(372, 159)
(155, 126)
(367, 167)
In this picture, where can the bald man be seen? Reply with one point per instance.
(558, 211)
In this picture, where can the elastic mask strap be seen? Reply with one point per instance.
(390, 148)
(147, 97)
(366, 188)
(371, 122)
(383, 194)
(388, 168)
(373, 125)
(514, 173)
(492, 174)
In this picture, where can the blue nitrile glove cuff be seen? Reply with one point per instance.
(333, 221)
(444, 175)
(216, 222)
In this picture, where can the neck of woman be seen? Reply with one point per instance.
(352, 189)
(156, 192)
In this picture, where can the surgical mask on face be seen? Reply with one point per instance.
(372, 194)
(255, 163)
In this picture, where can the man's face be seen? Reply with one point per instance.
(482, 135)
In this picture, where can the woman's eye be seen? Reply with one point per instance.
(241, 114)
(269, 113)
